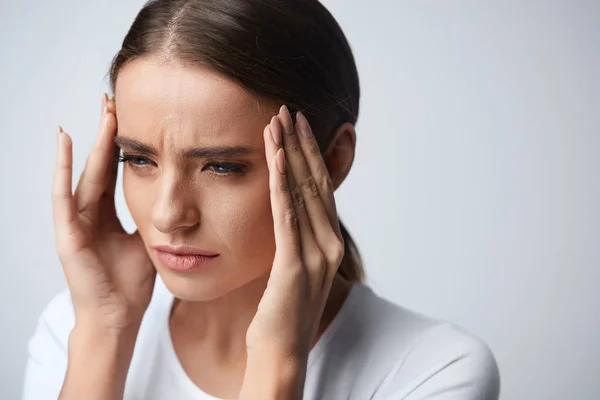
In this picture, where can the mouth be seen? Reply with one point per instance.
(184, 258)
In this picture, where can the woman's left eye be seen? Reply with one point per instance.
(225, 168)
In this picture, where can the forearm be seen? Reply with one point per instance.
(274, 378)
(98, 362)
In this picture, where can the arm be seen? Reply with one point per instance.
(98, 362)
(273, 378)
(109, 273)
(75, 357)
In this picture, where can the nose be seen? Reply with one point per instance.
(174, 207)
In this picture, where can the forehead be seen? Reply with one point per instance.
(151, 94)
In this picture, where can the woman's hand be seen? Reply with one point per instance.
(309, 249)
(109, 272)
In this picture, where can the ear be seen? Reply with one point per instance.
(339, 154)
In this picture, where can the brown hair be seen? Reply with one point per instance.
(293, 52)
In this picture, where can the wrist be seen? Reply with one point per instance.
(112, 319)
(88, 336)
(270, 376)
(98, 361)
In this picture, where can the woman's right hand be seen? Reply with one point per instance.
(108, 270)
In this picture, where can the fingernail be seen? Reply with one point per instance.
(58, 132)
(286, 116)
(104, 101)
(275, 129)
(281, 161)
(303, 125)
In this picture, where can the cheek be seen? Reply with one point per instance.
(244, 220)
(137, 199)
(238, 216)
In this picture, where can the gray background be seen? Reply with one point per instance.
(475, 192)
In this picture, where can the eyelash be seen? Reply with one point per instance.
(231, 168)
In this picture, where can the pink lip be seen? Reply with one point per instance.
(184, 258)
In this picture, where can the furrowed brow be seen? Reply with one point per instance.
(198, 152)
(132, 144)
(218, 152)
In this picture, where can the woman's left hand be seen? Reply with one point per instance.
(309, 250)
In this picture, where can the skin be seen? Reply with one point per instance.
(270, 293)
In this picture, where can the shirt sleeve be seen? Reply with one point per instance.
(447, 363)
(47, 350)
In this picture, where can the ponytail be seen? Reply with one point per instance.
(351, 267)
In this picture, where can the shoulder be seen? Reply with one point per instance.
(54, 325)
(426, 356)
(448, 362)
(47, 349)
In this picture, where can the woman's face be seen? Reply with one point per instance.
(214, 202)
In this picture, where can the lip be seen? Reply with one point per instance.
(185, 251)
(184, 258)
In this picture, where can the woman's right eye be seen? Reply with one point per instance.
(137, 161)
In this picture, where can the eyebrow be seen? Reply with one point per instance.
(198, 152)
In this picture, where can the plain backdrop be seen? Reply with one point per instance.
(474, 196)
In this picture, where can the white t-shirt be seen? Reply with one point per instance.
(373, 349)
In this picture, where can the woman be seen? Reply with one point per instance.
(240, 282)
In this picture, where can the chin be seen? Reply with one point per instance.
(198, 287)
(187, 287)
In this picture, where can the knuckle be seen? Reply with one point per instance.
(313, 148)
(297, 197)
(294, 145)
(297, 268)
(335, 253)
(58, 195)
(296, 275)
(67, 242)
(326, 184)
(316, 260)
(63, 167)
(310, 187)
(290, 219)
(86, 208)
(283, 186)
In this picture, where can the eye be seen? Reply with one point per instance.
(137, 161)
(225, 168)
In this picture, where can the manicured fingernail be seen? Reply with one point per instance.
(104, 101)
(275, 129)
(280, 161)
(303, 125)
(286, 120)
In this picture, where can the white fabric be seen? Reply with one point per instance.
(373, 349)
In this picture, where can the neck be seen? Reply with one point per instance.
(218, 327)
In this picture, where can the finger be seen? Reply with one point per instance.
(112, 173)
(285, 220)
(63, 204)
(312, 257)
(321, 223)
(103, 105)
(111, 105)
(113, 163)
(312, 261)
(93, 181)
(318, 170)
